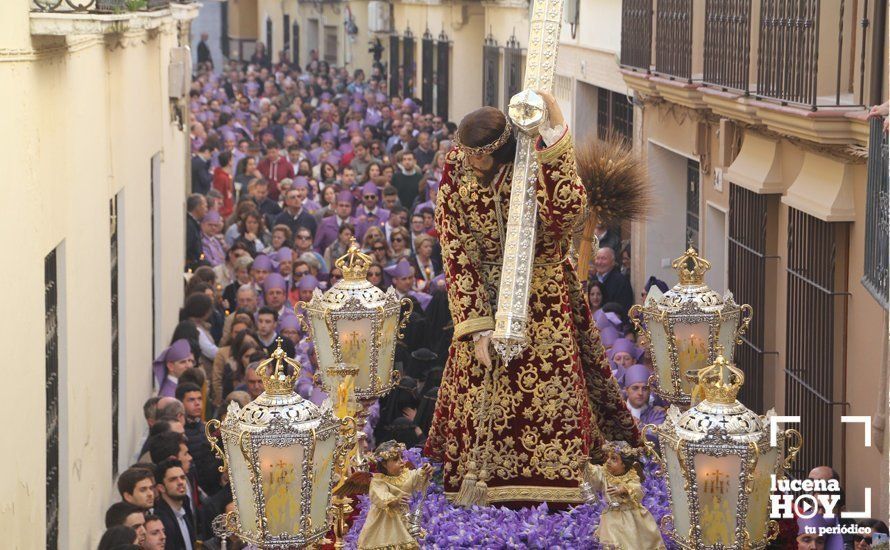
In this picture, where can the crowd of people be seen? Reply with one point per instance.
(289, 165)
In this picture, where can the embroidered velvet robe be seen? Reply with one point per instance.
(552, 405)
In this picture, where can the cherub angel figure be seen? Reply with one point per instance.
(388, 525)
(625, 524)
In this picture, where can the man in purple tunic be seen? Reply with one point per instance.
(330, 226)
(211, 245)
(636, 380)
(169, 365)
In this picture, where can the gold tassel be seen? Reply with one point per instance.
(480, 494)
(467, 493)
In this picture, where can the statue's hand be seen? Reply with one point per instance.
(554, 113)
(482, 350)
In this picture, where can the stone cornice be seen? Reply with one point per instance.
(77, 23)
(840, 126)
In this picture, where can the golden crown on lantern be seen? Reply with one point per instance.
(354, 263)
(721, 381)
(278, 382)
(691, 268)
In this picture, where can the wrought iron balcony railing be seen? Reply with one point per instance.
(673, 39)
(809, 53)
(877, 214)
(802, 58)
(101, 6)
(636, 34)
(727, 49)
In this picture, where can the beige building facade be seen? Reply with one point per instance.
(758, 151)
(96, 156)
(442, 43)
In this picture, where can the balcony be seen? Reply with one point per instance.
(673, 39)
(636, 34)
(83, 17)
(808, 54)
(727, 46)
(97, 6)
(805, 52)
(877, 212)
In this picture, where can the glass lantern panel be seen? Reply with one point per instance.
(281, 469)
(727, 336)
(718, 496)
(323, 348)
(692, 350)
(662, 356)
(386, 356)
(679, 499)
(758, 500)
(355, 347)
(322, 469)
(241, 485)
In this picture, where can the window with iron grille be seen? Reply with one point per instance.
(270, 53)
(331, 44)
(51, 317)
(394, 81)
(427, 51)
(512, 69)
(748, 213)
(490, 71)
(295, 45)
(286, 29)
(877, 215)
(443, 62)
(815, 331)
(408, 65)
(155, 248)
(693, 198)
(614, 115)
(115, 341)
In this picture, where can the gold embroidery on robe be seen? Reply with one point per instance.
(556, 401)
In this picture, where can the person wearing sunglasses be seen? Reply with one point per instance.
(375, 275)
(380, 252)
(398, 240)
(369, 212)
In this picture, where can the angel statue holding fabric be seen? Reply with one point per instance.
(520, 432)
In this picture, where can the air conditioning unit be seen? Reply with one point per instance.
(179, 72)
(379, 16)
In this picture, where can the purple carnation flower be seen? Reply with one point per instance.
(496, 527)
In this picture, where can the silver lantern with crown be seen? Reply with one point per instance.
(280, 452)
(685, 326)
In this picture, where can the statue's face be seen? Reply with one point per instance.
(394, 466)
(614, 465)
(482, 166)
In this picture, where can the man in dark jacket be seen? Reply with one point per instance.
(294, 215)
(616, 286)
(173, 507)
(205, 462)
(204, 51)
(196, 205)
(201, 176)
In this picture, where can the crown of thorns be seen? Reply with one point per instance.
(491, 147)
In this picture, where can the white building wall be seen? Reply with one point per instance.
(83, 117)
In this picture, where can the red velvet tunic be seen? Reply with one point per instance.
(551, 406)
